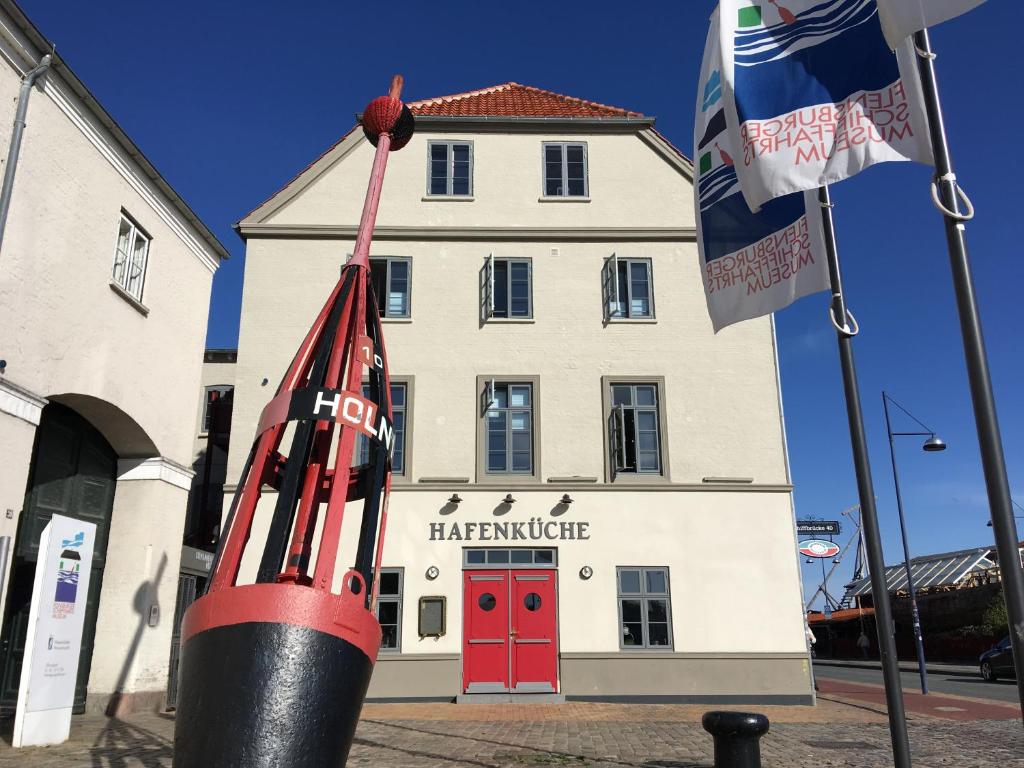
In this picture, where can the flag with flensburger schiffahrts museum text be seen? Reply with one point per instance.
(814, 95)
(752, 263)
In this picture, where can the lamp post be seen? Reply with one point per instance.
(931, 445)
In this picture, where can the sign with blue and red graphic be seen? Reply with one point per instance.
(54, 639)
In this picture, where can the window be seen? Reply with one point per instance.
(520, 558)
(645, 608)
(635, 427)
(389, 609)
(508, 288)
(130, 258)
(213, 394)
(509, 428)
(391, 278)
(399, 404)
(628, 288)
(565, 169)
(450, 169)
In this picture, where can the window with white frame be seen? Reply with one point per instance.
(391, 277)
(507, 288)
(628, 288)
(389, 608)
(565, 169)
(361, 455)
(130, 257)
(645, 608)
(635, 428)
(450, 168)
(509, 428)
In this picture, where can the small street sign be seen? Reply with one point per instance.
(817, 527)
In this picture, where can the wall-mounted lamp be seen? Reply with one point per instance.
(455, 499)
(432, 572)
(508, 499)
(3, 366)
(264, 382)
(586, 572)
(566, 498)
(809, 560)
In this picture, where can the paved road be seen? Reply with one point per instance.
(960, 685)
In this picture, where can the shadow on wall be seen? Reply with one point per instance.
(146, 605)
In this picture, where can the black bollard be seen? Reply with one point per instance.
(737, 736)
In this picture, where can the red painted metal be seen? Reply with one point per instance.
(343, 616)
(510, 632)
(534, 633)
(485, 625)
(344, 340)
(290, 637)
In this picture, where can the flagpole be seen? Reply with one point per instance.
(990, 442)
(866, 492)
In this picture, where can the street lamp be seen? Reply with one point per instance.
(931, 445)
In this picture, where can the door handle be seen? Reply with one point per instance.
(513, 633)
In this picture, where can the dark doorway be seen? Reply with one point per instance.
(73, 473)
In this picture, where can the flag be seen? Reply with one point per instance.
(815, 94)
(752, 263)
(902, 18)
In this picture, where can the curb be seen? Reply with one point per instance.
(961, 670)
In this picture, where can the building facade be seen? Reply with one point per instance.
(105, 277)
(591, 494)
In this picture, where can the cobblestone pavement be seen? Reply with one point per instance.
(575, 735)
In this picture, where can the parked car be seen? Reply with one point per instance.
(998, 660)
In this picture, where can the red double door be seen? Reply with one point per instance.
(510, 641)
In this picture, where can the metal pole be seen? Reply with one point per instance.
(906, 553)
(992, 460)
(866, 492)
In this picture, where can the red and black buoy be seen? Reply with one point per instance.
(275, 673)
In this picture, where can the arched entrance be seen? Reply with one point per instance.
(73, 473)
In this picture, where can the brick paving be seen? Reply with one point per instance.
(840, 731)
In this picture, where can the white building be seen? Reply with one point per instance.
(105, 276)
(594, 483)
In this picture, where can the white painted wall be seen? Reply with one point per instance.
(64, 329)
(630, 185)
(735, 586)
(67, 336)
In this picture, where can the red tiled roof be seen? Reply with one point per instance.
(515, 100)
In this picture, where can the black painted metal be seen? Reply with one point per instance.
(302, 446)
(737, 738)
(989, 441)
(866, 493)
(261, 695)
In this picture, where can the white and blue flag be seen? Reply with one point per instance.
(902, 18)
(814, 95)
(752, 263)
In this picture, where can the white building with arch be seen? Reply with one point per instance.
(105, 277)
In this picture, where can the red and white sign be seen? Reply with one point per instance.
(818, 548)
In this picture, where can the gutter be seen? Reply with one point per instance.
(608, 123)
(14, 150)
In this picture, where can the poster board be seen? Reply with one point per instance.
(53, 643)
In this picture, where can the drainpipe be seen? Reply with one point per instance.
(19, 128)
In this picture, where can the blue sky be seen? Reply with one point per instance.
(230, 99)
